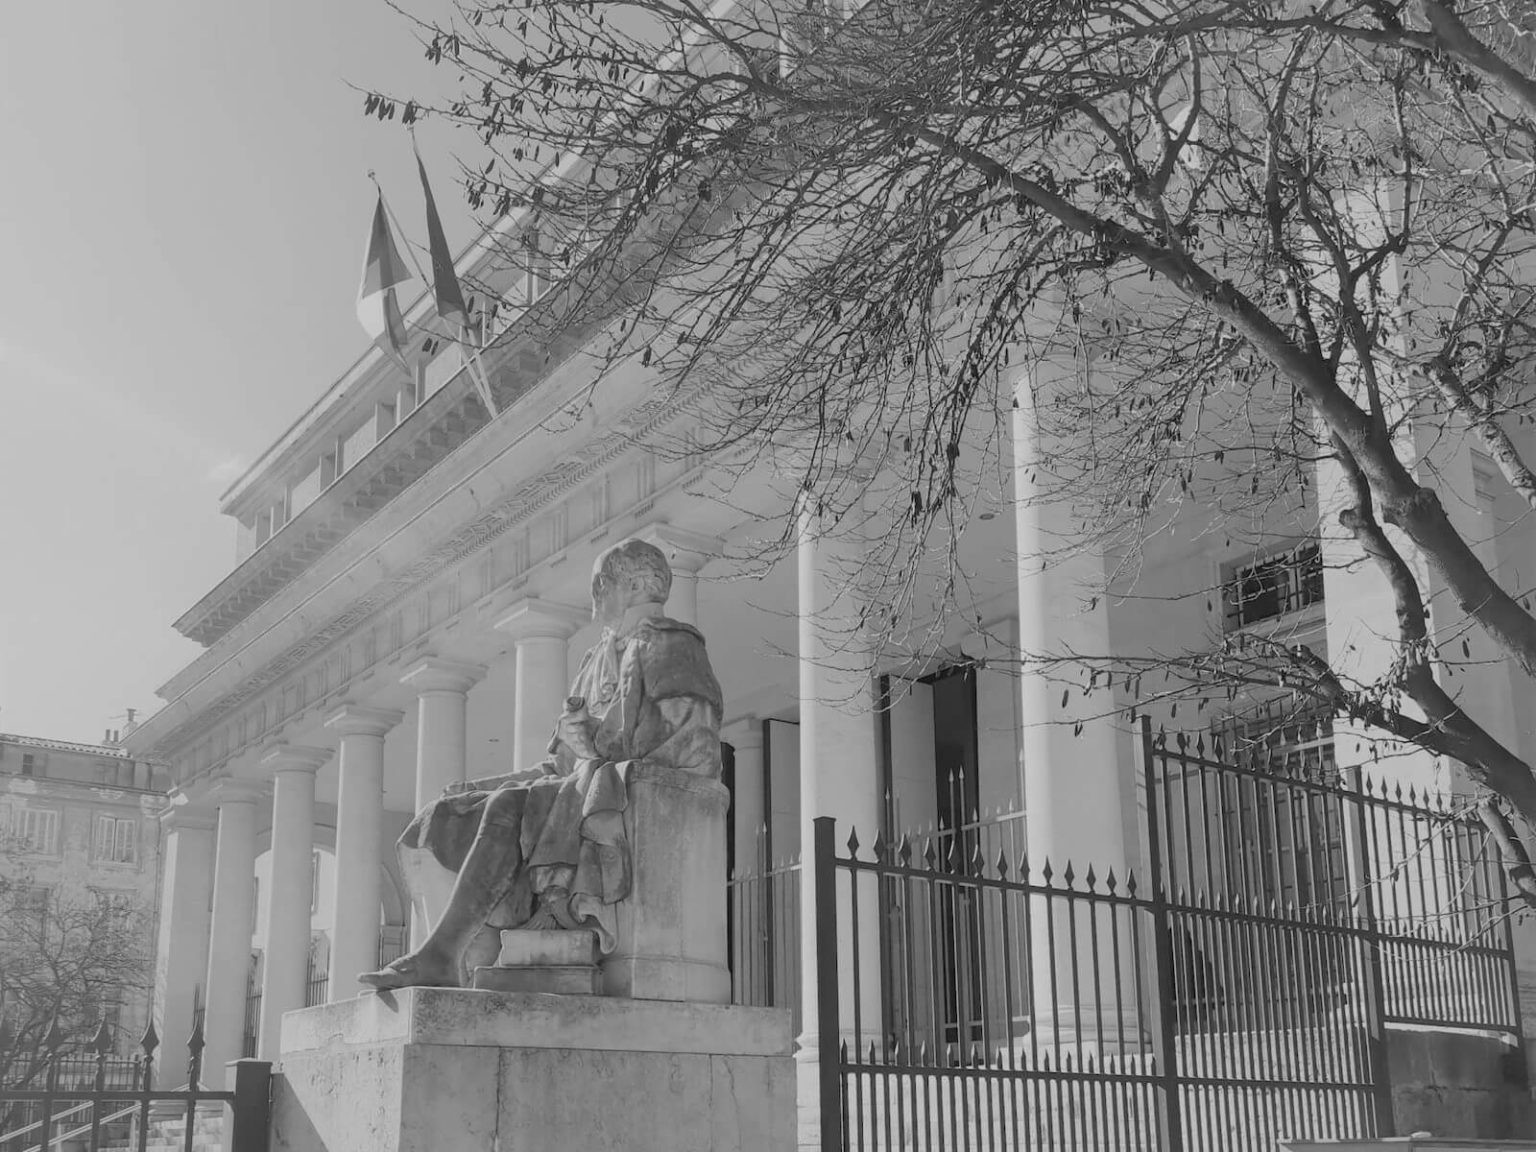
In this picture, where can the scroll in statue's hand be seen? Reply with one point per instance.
(575, 730)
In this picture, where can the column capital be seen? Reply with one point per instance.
(237, 790)
(356, 720)
(293, 758)
(745, 732)
(686, 551)
(435, 674)
(534, 619)
(188, 818)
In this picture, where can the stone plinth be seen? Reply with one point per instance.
(671, 930)
(462, 1070)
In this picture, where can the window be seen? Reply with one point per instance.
(1274, 586)
(116, 840)
(34, 830)
(32, 764)
(314, 882)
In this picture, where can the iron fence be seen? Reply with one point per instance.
(317, 979)
(764, 915)
(94, 1101)
(764, 908)
(252, 1028)
(1237, 989)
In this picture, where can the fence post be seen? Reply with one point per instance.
(1516, 1016)
(1164, 1015)
(828, 1027)
(247, 1119)
(1368, 949)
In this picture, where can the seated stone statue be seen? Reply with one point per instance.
(546, 846)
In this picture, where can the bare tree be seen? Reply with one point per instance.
(1233, 246)
(65, 965)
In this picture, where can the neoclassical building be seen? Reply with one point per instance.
(410, 589)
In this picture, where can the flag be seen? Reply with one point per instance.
(445, 281)
(377, 307)
(451, 309)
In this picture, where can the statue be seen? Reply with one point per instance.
(546, 845)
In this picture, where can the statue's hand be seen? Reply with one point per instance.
(575, 731)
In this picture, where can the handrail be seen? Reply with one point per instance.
(80, 1107)
(74, 1132)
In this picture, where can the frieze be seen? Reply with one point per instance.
(533, 496)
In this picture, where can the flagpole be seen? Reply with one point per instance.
(471, 356)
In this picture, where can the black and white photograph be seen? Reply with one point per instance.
(768, 576)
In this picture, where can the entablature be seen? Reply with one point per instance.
(303, 658)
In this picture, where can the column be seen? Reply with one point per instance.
(839, 777)
(229, 948)
(748, 795)
(1073, 782)
(687, 552)
(751, 898)
(291, 889)
(1074, 778)
(541, 631)
(182, 949)
(359, 844)
(442, 705)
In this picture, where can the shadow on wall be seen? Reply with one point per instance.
(1469, 1084)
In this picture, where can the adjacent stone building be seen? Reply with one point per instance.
(80, 827)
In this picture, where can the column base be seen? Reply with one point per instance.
(463, 1070)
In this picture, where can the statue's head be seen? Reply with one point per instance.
(632, 572)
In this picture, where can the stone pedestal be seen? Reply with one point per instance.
(461, 1070)
(671, 930)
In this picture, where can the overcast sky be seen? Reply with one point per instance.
(183, 208)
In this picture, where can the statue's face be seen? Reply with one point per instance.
(608, 599)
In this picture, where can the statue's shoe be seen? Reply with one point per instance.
(412, 971)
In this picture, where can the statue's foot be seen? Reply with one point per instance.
(414, 970)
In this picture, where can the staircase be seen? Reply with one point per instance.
(168, 1130)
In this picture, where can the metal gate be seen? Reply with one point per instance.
(1237, 993)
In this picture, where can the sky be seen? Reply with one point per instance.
(184, 198)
